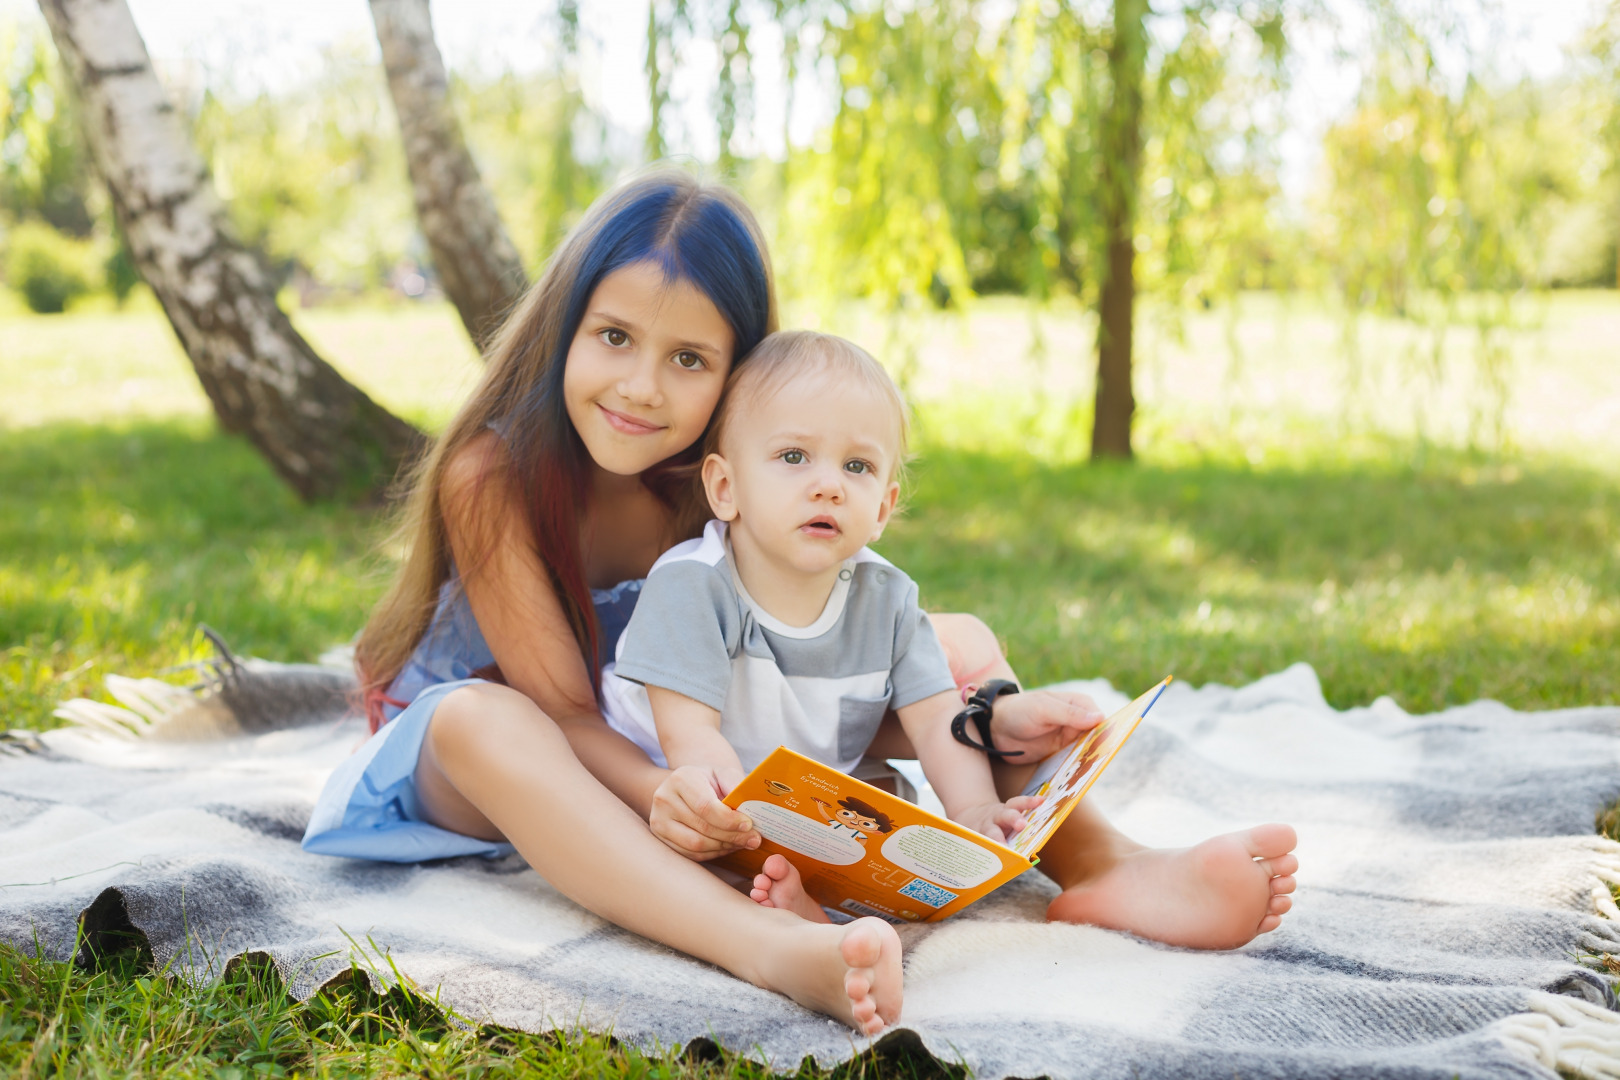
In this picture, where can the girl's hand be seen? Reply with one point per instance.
(997, 820)
(1041, 722)
(687, 815)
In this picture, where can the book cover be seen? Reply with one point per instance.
(863, 851)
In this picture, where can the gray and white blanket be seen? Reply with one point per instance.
(1453, 917)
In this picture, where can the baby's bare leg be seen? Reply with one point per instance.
(1215, 895)
(494, 765)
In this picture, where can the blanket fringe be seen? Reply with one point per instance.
(146, 704)
(232, 696)
(1566, 1035)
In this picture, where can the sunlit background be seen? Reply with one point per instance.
(1377, 364)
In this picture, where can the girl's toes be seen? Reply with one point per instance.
(1279, 905)
(1283, 865)
(1269, 923)
(1280, 885)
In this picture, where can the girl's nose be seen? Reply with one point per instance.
(640, 384)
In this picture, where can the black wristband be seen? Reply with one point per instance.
(981, 706)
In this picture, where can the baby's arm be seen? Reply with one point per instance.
(960, 775)
(689, 734)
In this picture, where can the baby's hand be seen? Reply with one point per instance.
(687, 815)
(997, 820)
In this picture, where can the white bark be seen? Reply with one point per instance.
(476, 261)
(323, 435)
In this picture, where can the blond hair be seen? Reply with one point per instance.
(789, 355)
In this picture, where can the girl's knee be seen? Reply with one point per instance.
(967, 640)
(471, 715)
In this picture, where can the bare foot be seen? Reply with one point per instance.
(849, 972)
(778, 885)
(1217, 895)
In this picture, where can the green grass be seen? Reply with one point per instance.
(1435, 583)
(1246, 538)
(118, 1017)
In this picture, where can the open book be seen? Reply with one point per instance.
(863, 851)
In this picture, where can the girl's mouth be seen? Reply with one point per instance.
(627, 425)
(821, 526)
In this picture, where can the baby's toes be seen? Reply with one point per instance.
(1269, 923)
(1280, 885)
(1279, 905)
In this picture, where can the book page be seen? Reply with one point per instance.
(861, 850)
(1084, 762)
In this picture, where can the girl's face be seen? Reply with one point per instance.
(645, 369)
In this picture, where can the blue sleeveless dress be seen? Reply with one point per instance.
(369, 808)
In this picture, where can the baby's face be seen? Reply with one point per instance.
(807, 473)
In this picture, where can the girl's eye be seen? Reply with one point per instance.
(691, 361)
(615, 337)
(858, 467)
(793, 457)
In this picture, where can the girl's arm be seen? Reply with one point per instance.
(517, 609)
(960, 775)
(689, 733)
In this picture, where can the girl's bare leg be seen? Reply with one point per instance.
(1216, 895)
(493, 765)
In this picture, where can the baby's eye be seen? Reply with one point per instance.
(858, 466)
(792, 457)
(691, 361)
(614, 337)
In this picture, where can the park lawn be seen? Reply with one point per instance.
(1435, 575)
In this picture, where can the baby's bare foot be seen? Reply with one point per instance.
(1217, 895)
(849, 972)
(778, 885)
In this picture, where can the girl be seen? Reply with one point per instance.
(551, 493)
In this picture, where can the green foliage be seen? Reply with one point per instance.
(966, 155)
(1444, 187)
(44, 167)
(314, 176)
(541, 151)
(48, 268)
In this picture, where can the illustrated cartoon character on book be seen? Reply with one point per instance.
(852, 816)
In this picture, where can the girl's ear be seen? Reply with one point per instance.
(718, 487)
(885, 510)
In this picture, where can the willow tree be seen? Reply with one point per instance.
(475, 259)
(1121, 159)
(1026, 148)
(324, 436)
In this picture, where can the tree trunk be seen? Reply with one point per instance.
(476, 261)
(325, 437)
(1121, 174)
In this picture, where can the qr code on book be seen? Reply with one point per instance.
(927, 893)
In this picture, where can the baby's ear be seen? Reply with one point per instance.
(886, 510)
(718, 487)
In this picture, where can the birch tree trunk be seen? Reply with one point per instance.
(324, 436)
(476, 261)
(1121, 174)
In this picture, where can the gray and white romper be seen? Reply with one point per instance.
(820, 689)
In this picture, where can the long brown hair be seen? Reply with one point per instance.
(699, 233)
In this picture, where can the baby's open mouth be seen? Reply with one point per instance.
(820, 526)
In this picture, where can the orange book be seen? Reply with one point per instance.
(863, 851)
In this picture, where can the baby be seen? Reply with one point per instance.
(779, 626)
